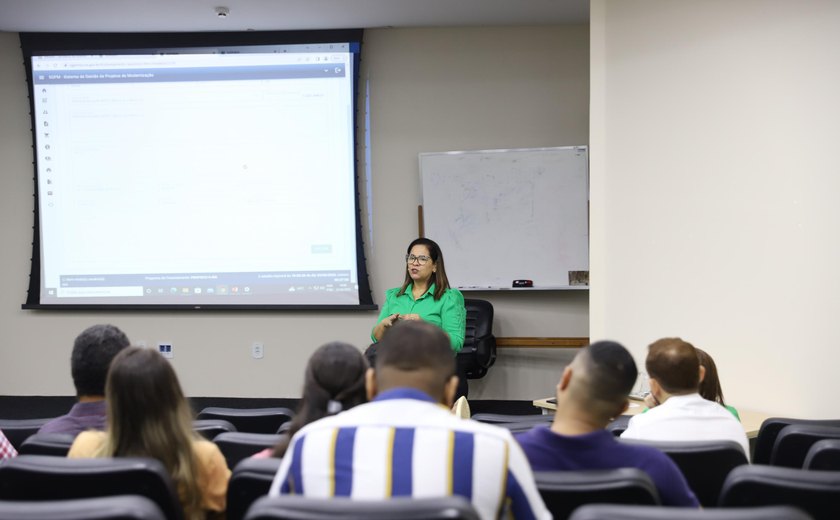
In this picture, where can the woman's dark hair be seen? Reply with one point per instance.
(710, 385)
(440, 280)
(334, 381)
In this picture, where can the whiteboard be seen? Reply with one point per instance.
(504, 215)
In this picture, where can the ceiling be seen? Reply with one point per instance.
(199, 15)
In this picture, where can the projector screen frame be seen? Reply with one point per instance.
(38, 44)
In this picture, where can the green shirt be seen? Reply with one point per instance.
(448, 312)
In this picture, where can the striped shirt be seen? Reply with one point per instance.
(7, 451)
(403, 444)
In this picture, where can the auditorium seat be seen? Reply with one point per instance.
(236, 446)
(56, 444)
(120, 507)
(500, 418)
(479, 351)
(616, 512)
(824, 455)
(294, 507)
(794, 441)
(705, 464)
(209, 428)
(770, 429)
(43, 477)
(251, 420)
(250, 480)
(815, 492)
(619, 424)
(18, 430)
(563, 491)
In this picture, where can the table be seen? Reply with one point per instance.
(750, 420)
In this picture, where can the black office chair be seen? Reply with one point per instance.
(209, 428)
(619, 424)
(823, 455)
(43, 477)
(794, 441)
(56, 444)
(251, 420)
(299, 508)
(815, 492)
(615, 512)
(18, 430)
(479, 351)
(250, 480)
(770, 429)
(236, 446)
(123, 507)
(705, 464)
(564, 491)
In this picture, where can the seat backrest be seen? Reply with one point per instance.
(18, 430)
(56, 444)
(823, 455)
(501, 418)
(209, 428)
(479, 351)
(563, 491)
(43, 477)
(615, 512)
(815, 492)
(251, 420)
(705, 464)
(770, 429)
(794, 441)
(236, 446)
(293, 507)
(619, 424)
(121, 507)
(250, 480)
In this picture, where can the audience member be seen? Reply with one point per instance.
(404, 443)
(148, 416)
(93, 351)
(334, 381)
(681, 414)
(7, 451)
(592, 391)
(710, 384)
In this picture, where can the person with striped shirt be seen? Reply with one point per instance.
(406, 443)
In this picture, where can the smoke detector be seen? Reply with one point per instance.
(221, 11)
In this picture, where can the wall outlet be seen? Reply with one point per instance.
(257, 350)
(166, 350)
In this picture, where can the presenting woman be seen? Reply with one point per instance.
(425, 295)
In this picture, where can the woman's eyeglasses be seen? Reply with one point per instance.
(422, 259)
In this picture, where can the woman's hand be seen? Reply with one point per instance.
(412, 317)
(384, 325)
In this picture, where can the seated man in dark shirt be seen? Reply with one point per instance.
(591, 392)
(93, 351)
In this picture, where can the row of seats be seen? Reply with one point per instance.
(33, 477)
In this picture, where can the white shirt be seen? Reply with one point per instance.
(404, 445)
(687, 418)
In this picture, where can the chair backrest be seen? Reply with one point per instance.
(815, 492)
(250, 480)
(121, 507)
(501, 418)
(209, 428)
(824, 455)
(18, 430)
(564, 491)
(236, 446)
(705, 464)
(479, 351)
(301, 508)
(619, 424)
(251, 420)
(770, 429)
(794, 441)
(615, 512)
(56, 444)
(43, 477)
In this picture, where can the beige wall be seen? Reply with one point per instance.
(715, 177)
(431, 90)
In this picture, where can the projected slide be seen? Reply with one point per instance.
(197, 178)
